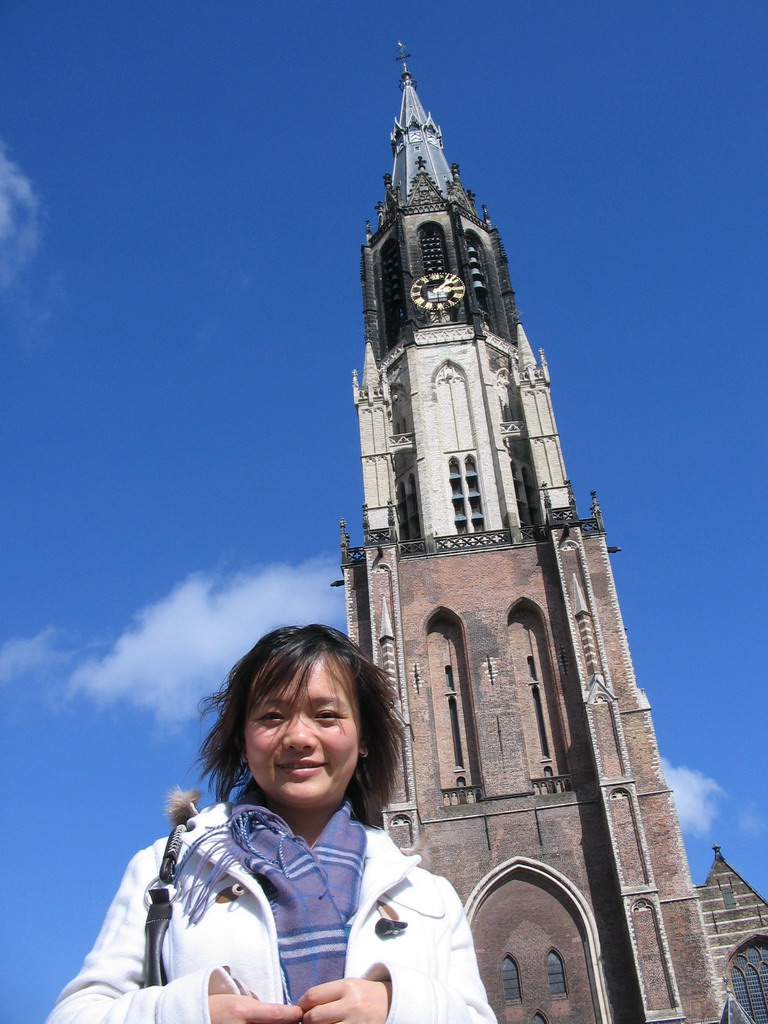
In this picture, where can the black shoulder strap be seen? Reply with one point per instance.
(167, 870)
(159, 912)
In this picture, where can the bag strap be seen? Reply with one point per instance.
(160, 911)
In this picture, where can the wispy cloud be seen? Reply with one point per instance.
(180, 648)
(752, 822)
(696, 797)
(19, 220)
(24, 656)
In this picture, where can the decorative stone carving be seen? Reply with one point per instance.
(443, 335)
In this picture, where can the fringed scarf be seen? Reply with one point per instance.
(313, 892)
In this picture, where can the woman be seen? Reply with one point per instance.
(288, 905)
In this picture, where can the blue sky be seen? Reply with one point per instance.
(183, 193)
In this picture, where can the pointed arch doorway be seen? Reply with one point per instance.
(531, 925)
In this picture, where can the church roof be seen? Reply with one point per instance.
(734, 1013)
(417, 143)
(733, 912)
(721, 870)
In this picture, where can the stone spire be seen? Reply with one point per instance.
(525, 352)
(371, 376)
(417, 142)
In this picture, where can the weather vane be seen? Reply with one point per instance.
(402, 56)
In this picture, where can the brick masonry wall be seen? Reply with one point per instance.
(563, 830)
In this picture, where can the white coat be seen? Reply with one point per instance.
(233, 948)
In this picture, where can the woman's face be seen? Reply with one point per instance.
(302, 749)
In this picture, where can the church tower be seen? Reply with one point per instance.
(530, 773)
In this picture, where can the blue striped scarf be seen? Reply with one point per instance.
(313, 892)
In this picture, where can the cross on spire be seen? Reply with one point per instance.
(402, 56)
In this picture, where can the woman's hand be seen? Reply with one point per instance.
(230, 1009)
(348, 1001)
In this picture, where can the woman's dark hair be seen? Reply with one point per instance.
(281, 663)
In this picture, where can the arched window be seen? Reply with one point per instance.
(510, 979)
(432, 249)
(556, 974)
(749, 977)
(476, 272)
(394, 312)
(539, 1018)
(451, 693)
(537, 695)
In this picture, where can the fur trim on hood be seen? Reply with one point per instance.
(180, 805)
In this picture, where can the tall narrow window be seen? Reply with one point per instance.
(402, 511)
(476, 273)
(458, 754)
(524, 495)
(394, 312)
(432, 249)
(465, 496)
(453, 714)
(540, 721)
(537, 694)
(412, 507)
(457, 496)
(556, 974)
(510, 979)
(539, 1018)
(408, 509)
(473, 494)
(530, 494)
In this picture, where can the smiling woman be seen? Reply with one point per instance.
(303, 750)
(279, 896)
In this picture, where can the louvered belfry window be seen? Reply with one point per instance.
(432, 249)
(476, 271)
(391, 280)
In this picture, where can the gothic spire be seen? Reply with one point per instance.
(417, 142)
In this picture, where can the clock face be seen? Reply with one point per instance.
(437, 291)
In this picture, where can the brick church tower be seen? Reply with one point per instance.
(531, 775)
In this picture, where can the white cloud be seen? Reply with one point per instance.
(22, 656)
(19, 220)
(181, 648)
(696, 797)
